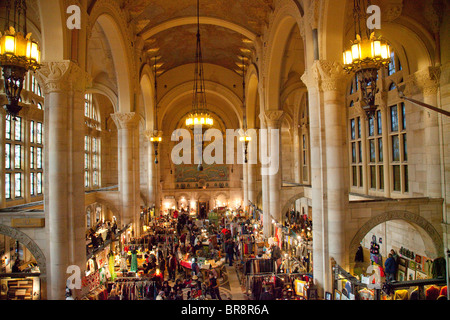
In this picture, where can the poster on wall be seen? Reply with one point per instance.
(401, 275)
(411, 275)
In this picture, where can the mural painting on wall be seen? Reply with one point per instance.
(189, 173)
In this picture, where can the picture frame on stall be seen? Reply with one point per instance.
(337, 295)
(328, 296)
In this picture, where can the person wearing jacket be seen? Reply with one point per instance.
(390, 268)
(229, 252)
(172, 266)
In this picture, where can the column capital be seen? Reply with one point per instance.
(326, 75)
(273, 118)
(65, 75)
(125, 120)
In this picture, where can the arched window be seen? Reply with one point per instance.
(23, 141)
(378, 146)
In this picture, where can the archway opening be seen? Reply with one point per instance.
(413, 247)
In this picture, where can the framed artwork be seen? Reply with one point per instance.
(411, 275)
(402, 262)
(412, 265)
(402, 268)
(337, 295)
(421, 275)
(418, 259)
(328, 296)
(400, 275)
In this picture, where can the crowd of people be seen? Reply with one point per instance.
(171, 238)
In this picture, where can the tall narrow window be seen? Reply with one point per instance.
(399, 148)
(356, 152)
(23, 145)
(92, 144)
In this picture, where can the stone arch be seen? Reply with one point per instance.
(418, 221)
(54, 39)
(24, 239)
(113, 23)
(280, 38)
(252, 80)
(291, 201)
(148, 92)
(288, 14)
(171, 98)
(146, 34)
(107, 92)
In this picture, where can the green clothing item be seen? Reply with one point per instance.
(134, 264)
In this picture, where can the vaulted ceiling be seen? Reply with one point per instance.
(170, 26)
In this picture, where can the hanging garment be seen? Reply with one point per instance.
(432, 293)
(359, 256)
(112, 272)
(401, 295)
(438, 268)
(134, 263)
(414, 295)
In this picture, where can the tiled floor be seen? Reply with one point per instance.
(235, 286)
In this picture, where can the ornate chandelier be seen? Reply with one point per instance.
(365, 57)
(199, 114)
(156, 138)
(245, 138)
(18, 54)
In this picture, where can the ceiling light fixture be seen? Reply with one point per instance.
(199, 115)
(18, 54)
(245, 138)
(366, 56)
(156, 138)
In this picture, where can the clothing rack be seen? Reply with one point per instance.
(135, 289)
(285, 277)
(273, 274)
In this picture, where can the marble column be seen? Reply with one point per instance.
(128, 136)
(273, 121)
(64, 85)
(151, 172)
(326, 82)
(251, 168)
(263, 150)
(318, 181)
(428, 82)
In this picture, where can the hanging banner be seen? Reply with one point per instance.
(92, 281)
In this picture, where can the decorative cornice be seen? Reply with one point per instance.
(125, 120)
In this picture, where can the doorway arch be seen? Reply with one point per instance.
(25, 240)
(429, 234)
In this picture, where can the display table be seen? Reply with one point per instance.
(204, 268)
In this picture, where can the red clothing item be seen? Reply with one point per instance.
(431, 293)
(444, 291)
